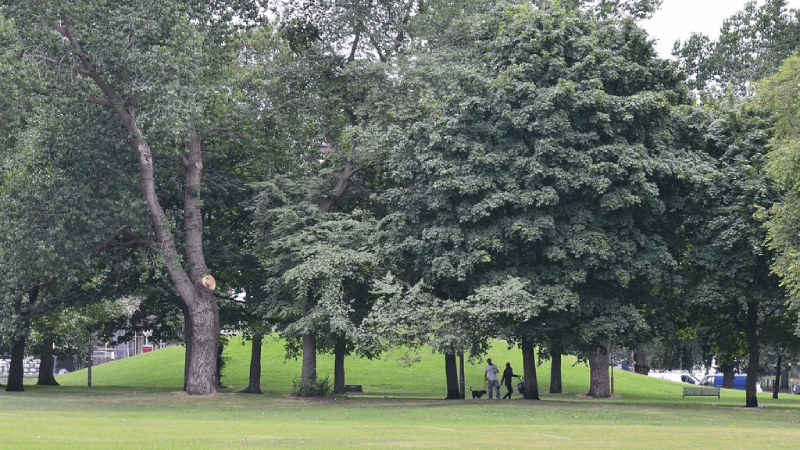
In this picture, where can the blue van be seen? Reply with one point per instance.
(739, 382)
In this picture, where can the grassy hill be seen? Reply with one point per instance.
(388, 376)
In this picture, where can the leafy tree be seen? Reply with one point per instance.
(751, 45)
(736, 294)
(543, 169)
(778, 95)
(155, 68)
(340, 87)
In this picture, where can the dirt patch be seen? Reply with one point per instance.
(597, 398)
(184, 394)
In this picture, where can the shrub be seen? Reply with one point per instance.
(316, 387)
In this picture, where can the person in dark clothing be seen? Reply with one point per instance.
(508, 373)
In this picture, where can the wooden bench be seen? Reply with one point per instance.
(701, 391)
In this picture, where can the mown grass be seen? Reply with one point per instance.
(137, 403)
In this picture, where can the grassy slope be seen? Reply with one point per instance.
(387, 376)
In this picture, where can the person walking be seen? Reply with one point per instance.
(508, 374)
(490, 375)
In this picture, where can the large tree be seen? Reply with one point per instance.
(544, 161)
(156, 67)
(735, 293)
(344, 82)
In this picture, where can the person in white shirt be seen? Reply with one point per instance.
(490, 375)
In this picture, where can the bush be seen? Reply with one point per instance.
(317, 387)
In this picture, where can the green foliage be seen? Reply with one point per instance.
(316, 387)
(778, 96)
(545, 165)
(751, 45)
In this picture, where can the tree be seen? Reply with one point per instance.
(545, 166)
(778, 96)
(751, 45)
(346, 66)
(156, 68)
(735, 291)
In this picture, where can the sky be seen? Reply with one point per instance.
(677, 19)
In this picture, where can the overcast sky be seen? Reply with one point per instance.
(677, 19)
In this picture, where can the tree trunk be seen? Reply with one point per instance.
(451, 374)
(16, 371)
(599, 383)
(46, 370)
(254, 387)
(727, 376)
(529, 372)
(205, 339)
(555, 373)
(640, 363)
(785, 377)
(777, 386)
(462, 391)
(309, 372)
(751, 398)
(187, 337)
(338, 368)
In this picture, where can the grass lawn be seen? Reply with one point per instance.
(136, 403)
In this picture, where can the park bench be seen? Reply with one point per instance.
(704, 391)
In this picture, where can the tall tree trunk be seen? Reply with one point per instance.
(201, 379)
(338, 368)
(751, 397)
(46, 370)
(309, 371)
(555, 373)
(16, 371)
(451, 375)
(254, 387)
(640, 362)
(187, 337)
(599, 383)
(462, 391)
(777, 386)
(529, 372)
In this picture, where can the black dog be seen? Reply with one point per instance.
(477, 394)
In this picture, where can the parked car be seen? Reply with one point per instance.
(680, 377)
(739, 382)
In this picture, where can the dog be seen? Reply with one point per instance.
(477, 394)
